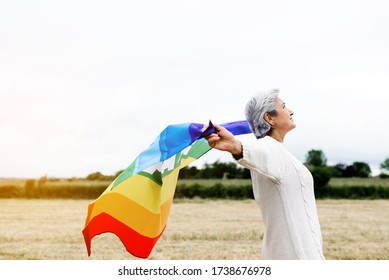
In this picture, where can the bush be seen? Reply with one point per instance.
(10, 192)
(362, 169)
(321, 176)
(191, 191)
(384, 176)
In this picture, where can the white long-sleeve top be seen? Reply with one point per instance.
(283, 189)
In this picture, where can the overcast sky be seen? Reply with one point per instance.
(86, 85)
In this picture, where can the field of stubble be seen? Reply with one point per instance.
(196, 230)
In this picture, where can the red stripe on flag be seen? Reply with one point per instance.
(136, 244)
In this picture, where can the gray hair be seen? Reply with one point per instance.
(261, 103)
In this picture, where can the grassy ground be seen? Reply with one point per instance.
(197, 229)
(374, 181)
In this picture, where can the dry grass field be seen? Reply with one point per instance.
(197, 230)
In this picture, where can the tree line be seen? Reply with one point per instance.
(216, 170)
(315, 160)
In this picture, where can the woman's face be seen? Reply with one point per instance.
(283, 120)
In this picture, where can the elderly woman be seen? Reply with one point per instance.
(282, 185)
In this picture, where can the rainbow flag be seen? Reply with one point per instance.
(136, 205)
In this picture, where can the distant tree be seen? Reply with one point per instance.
(216, 170)
(340, 166)
(321, 176)
(357, 169)
(96, 176)
(188, 172)
(316, 158)
(219, 170)
(362, 169)
(385, 165)
(385, 168)
(246, 174)
(344, 170)
(206, 172)
(338, 170)
(349, 171)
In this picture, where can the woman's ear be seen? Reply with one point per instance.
(268, 118)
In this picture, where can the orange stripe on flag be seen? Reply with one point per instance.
(131, 214)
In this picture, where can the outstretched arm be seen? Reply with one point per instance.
(224, 140)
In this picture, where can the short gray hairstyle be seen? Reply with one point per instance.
(261, 103)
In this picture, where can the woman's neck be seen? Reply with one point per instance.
(277, 135)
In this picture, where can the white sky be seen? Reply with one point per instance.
(86, 85)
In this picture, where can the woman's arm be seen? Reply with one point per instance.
(263, 157)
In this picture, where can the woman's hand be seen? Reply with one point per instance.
(224, 140)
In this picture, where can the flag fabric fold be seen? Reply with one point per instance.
(136, 205)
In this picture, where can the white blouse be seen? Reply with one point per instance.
(283, 189)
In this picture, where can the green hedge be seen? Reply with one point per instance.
(69, 192)
(353, 192)
(216, 191)
(11, 191)
(245, 192)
